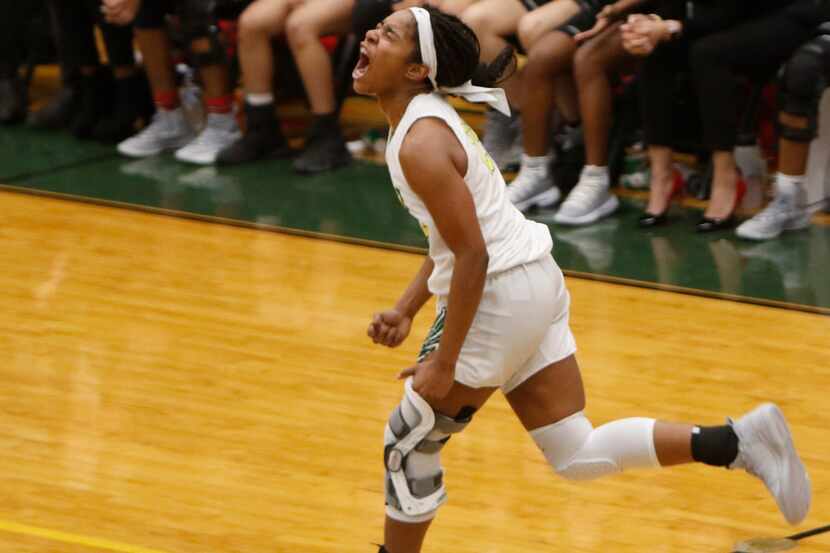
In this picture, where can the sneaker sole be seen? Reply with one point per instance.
(149, 153)
(760, 236)
(778, 438)
(544, 200)
(607, 208)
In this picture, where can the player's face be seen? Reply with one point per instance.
(385, 56)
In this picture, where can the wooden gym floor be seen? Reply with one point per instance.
(178, 386)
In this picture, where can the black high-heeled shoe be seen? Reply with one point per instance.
(650, 220)
(711, 224)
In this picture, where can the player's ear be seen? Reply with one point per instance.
(417, 72)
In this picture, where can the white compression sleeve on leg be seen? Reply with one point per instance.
(578, 451)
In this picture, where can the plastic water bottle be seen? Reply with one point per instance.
(753, 168)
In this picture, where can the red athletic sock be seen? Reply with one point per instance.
(219, 104)
(166, 99)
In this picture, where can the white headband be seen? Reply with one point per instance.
(495, 97)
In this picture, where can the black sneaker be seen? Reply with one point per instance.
(325, 148)
(12, 101)
(95, 103)
(58, 112)
(133, 103)
(263, 138)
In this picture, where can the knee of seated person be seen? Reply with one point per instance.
(803, 73)
(529, 31)
(477, 19)
(252, 23)
(588, 61)
(299, 32)
(541, 57)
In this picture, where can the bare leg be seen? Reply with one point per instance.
(214, 77)
(723, 185)
(550, 59)
(539, 22)
(592, 64)
(792, 156)
(556, 392)
(660, 159)
(259, 22)
(492, 20)
(155, 49)
(401, 537)
(303, 30)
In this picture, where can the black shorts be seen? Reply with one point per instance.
(531, 5)
(152, 13)
(585, 19)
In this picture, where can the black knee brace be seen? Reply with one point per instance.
(803, 81)
(198, 21)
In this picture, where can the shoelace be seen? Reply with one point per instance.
(154, 128)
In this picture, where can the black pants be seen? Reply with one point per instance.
(78, 19)
(756, 48)
(14, 28)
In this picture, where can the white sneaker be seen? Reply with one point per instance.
(766, 450)
(167, 131)
(503, 139)
(221, 130)
(588, 202)
(533, 187)
(780, 215)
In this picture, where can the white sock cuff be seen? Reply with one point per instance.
(537, 161)
(789, 184)
(260, 99)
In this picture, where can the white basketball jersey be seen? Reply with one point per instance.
(511, 239)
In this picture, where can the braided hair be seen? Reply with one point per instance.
(458, 52)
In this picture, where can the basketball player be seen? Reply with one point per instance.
(502, 302)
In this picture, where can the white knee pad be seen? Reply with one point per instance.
(413, 439)
(577, 451)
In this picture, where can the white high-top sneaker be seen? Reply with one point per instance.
(167, 131)
(533, 187)
(589, 201)
(766, 450)
(783, 213)
(221, 130)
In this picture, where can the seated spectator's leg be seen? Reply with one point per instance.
(657, 87)
(94, 86)
(802, 84)
(13, 28)
(492, 21)
(325, 148)
(453, 7)
(535, 24)
(209, 55)
(716, 60)
(594, 63)
(169, 129)
(132, 100)
(263, 137)
(549, 62)
(58, 111)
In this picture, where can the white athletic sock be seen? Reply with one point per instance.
(539, 164)
(790, 186)
(597, 172)
(260, 99)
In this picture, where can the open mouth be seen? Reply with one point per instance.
(362, 64)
